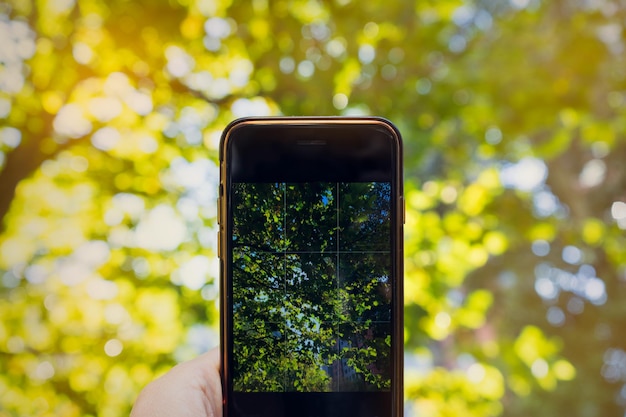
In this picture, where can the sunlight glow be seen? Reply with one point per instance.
(106, 138)
(593, 173)
(611, 35)
(618, 212)
(80, 267)
(115, 314)
(540, 368)
(148, 144)
(72, 272)
(200, 80)
(140, 102)
(257, 106)
(555, 316)
(367, 53)
(336, 47)
(476, 373)
(526, 175)
(493, 135)
(306, 68)
(61, 6)
(93, 253)
(449, 194)
(82, 53)
(194, 273)
(614, 368)
(240, 74)
(5, 107)
(423, 86)
(217, 28)
(218, 88)
(124, 204)
(546, 288)
(595, 291)
(550, 281)
(463, 15)
(161, 229)
(117, 84)
(10, 136)
(520, 4)
(541, 247)
(11, 79)
(575, 305)
(211, 291)
(179, 62)
(17, 45)
(287, 65)
(22, 45)
(104, 108)
(457, 43)
(113, 347)
(545, 203)
(43, 371)
(36, 274)
(102, 289)
(572, 255)
(193, 174)
(443, 320)
(70, 121)
(340, 101)
(199, 339)
(16, 250)
(483, 20)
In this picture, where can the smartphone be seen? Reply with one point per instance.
(311, 245)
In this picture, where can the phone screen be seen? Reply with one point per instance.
(312, 272)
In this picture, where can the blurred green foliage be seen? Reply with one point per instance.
(513, 113)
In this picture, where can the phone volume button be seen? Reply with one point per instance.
(219, 210)
(219, 244)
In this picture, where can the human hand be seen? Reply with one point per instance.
(190, 389)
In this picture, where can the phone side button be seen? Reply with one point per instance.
(403, 208)
(219, 244)
(219, 210)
